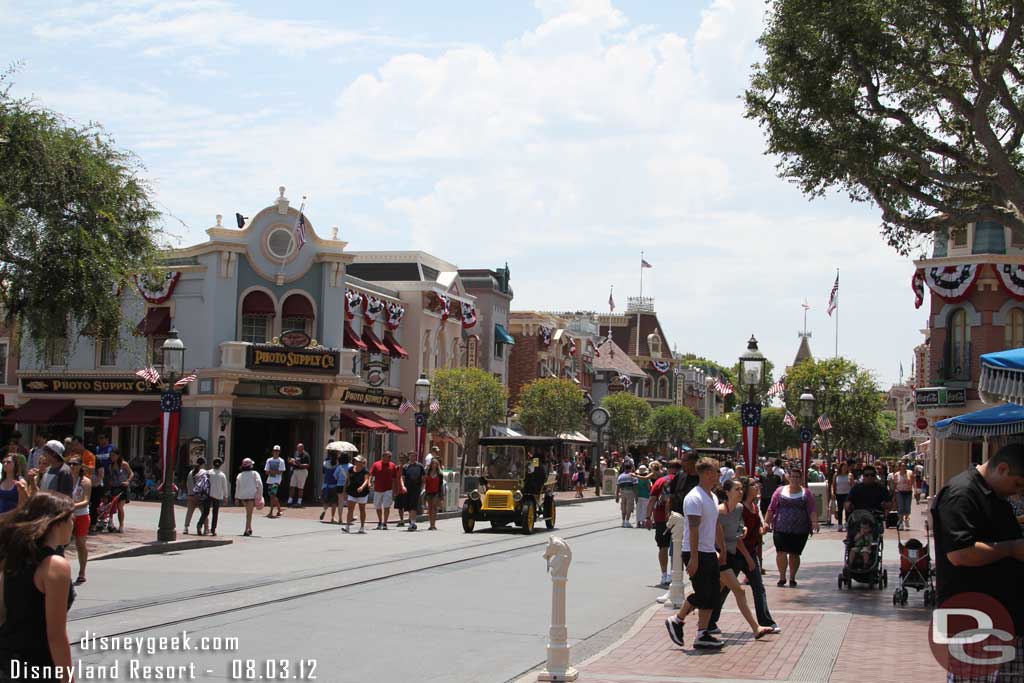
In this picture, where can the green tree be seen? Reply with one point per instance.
(629, 419)
(76, 221)
(551, 406)
(714, 369)
(728, 427)
(844, 392)
(776, 436)
(673, 424)
(471, 400)
(915, 106)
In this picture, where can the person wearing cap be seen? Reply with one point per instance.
(274, 468)
(54, 475)
(248, 492)
(218, 495)
(297, 481)
(356, 488)
(643, 495)
(80, 494)
(195, 497)
(435, 452)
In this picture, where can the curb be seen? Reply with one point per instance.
(560, 503)
(157, 548)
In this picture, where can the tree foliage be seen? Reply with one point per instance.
(916, 106)
(471, 400)
(76, 221)
(728, 427)
(551, 406)
(776, 436)
(629, 418)
(844, 392)
(673, 424)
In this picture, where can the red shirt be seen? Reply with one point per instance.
(433, 484)
(383, 474)
(659, 510)
(752, 536)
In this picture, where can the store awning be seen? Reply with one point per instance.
(144, 413)
(297, 306)
(58, 411)
(352, 340)
(501, 335)
(576, 437)
(394, 348)
(388, 424)
(157, 321)
(353, 419)
(1002, 376)
(258, 303)
(1004, 420)
(373, 342)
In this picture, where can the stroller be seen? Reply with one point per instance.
(106, 510)
(863, 553)
(915, 570)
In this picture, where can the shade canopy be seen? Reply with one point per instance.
(44, 411)
(297, 306)
(146, 413)
(1002, 376)
(352, 340)
(1004, 420)
(388, 424)
(501, 335)
(356, 420)
(258, 303)
(373, 342)
(156, 322)
(395, 349)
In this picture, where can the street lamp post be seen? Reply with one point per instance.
(807, 411)
(170, 412)
(421, 395)
(752, 364)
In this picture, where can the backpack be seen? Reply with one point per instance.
(201, 486)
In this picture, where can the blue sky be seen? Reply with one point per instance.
(562, 136)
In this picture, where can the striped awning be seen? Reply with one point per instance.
(1004, 420)
(1002, 377)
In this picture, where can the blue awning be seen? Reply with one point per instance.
(501, 335)
(1002, 376)
(1004, 420)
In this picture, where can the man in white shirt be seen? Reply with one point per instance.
(218, 495)
(275, 471)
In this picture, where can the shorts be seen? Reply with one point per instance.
(432, 496)
(272, 489)
(400, 501)
(706, 583)
(382, 499)
(298, 479)
(81, 525)
(411, 501)
(791, 544)
(352, 500)
(661, 534)
(330, 495)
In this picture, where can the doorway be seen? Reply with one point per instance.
(255, 437)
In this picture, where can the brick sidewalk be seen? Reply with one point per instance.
(828, 635)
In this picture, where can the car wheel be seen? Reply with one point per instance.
(468, 523)
(529, 517)
(840, 582)
(549, 512)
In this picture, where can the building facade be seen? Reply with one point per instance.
(639, 332)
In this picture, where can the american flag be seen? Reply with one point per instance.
(405, 407)
(833, 298)
(724, 388)
(300, 230)
(435, 406)
(151, 375)
(645, 264)
(777, 388)
(187, 379)
(790, 420)
(611, 301)
(824, 423)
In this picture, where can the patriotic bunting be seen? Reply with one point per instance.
(468, 315)
(626, 381)
(395, 313)
(159, 288)
(917, 284)
(751, 420)
(570, 347)
(372, 308)
(952, 283)
(545, 336)
(446, 306)
(1012, 277)
(661, 366)
(353, 301)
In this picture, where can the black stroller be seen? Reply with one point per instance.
(863, 553)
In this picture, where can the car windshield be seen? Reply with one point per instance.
(504, 462)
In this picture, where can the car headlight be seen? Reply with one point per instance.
(474, 495)
(517, 496)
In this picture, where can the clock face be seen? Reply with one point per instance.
(599, 417)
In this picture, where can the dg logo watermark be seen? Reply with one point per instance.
(972, 635)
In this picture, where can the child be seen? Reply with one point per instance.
(862, 541)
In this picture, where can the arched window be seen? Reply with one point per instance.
(257, 317)
(647, 387)
(663, 387)
(958, 346)
(1014, 330)
(454, 358)
(654, 344)
(297, 314)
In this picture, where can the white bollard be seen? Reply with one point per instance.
(677, 591)
(558, 557)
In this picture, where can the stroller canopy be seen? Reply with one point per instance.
(1003, 420)
(1002, 376)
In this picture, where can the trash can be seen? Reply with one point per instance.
(820, 499)
(451, 490)
(611, 475)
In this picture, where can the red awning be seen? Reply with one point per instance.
(297, 306)
(136, 413)
(60, 411)
(388, 424)
(395, 349)
(157, 321)
(258, 303)
(352, 340)
(356, 420)
(372, 342)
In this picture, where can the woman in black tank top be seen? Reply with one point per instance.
(37, 589)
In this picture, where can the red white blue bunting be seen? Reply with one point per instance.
(661, 366)
(353, 301)
(592, 347)
(468, 315)
(372, 308)
(952, 283)
(545, 336)
(1012, 277)
(395, 313)
(157, 289)
(570, 347)
(626, 381)
(445, 306)
(917, 284)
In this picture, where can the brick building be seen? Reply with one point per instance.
(639, 332)
(551, 345)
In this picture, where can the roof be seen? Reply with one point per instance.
(614, 359)
(625, 335)
(804, 352)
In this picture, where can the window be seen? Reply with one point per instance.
(294, 324)
(958, 237)
(108, 352)
(280, 243)
(3, 362)
(663, 387)
(255, 329)
(958, 346)
(455, 357)
(56, 351)
(1014, 330)
(499, 350)
(156, 352)
(647, 387)
(654, 344)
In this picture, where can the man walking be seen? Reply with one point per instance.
(383, 476)
(300, 470)
(218, 495)
(701, 558)
(658, 513)
(274, 468)
(35, 456)
(55, 475)
(869, 494)
(412, 479)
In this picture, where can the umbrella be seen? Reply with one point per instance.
(1002, 376)
(1001, 420)
(342, 446)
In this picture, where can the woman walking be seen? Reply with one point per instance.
(579, 476)
(903, 483)
(643, 495)
(625, 493)
(329, 490)
(37, 590)
(792, 516)
(433, 487)
(356, 488)
(248, 492)
(118, 476)
(840, 490)
(80, 492)
(193, 500)
(13, 489)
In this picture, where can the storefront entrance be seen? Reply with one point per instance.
(255, 437)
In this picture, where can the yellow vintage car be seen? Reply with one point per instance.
(517, 484)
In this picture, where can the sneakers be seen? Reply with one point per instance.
(628, 525)
(675, 630)
(662, 599)
(706, 641)
(402, 523)
(666, 580)
(775, 628)
(344, 529)
(362, 530)
(412, 527)
(378, 527)
(713, 631)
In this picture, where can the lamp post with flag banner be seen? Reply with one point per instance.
(174, 379)
(752, 366)
(807, 410)
(421, 395)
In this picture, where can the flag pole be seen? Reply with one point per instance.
(837, 313)
(640, 303)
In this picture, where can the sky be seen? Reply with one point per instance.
(563, 137)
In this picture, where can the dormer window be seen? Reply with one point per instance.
(958, 237)
(654, 344)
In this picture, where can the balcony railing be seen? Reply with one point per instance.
(957, 365)
(640, 304)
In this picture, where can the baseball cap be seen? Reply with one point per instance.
(56, 448)
(247, 462)
(277, 448)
